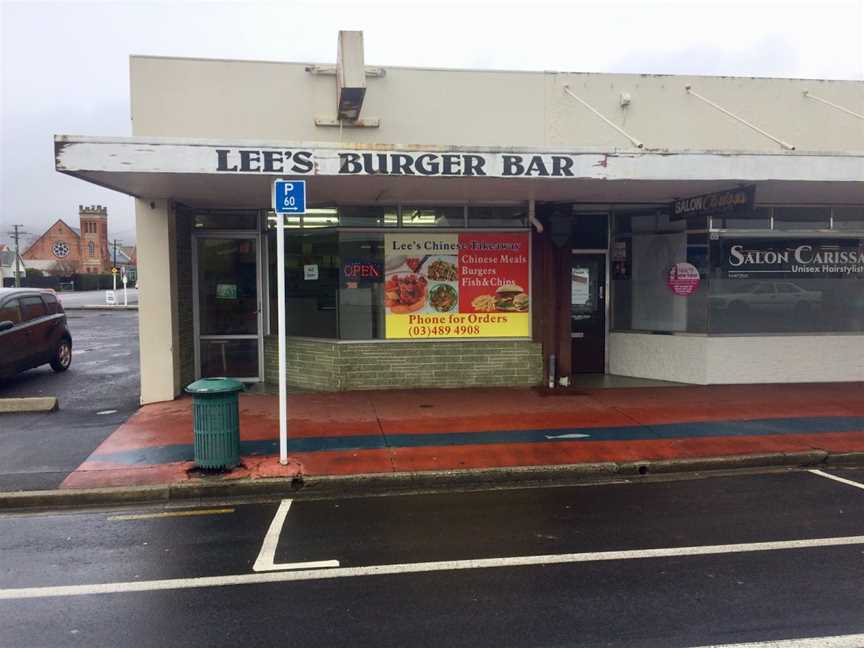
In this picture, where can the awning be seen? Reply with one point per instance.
(211, 173)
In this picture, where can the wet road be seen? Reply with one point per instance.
(98, 392)
(95, 297)
(528, 567)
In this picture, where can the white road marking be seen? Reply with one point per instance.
(104, 412)
(567, 436)
(413, 568)
(848, 482)
(267, 555)
(836, 641)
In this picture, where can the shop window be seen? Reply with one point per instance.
(311, 283)
(433, 216)
(622, 224)
(229, 358)
(228, 286)
(760, 220)
(515, 216)
(335, 278)
(320, 217)
(656, 222)
(590, 231)
(361, 286)
(226, 220)
(798, 218)
(659, 275)
(290, 222)
(781, 285)
(368, 216)
(849, 218)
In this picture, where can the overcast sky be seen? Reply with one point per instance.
(65, 64)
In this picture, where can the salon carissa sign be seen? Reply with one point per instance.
(359, 163)
(787, 258)
(738, 202)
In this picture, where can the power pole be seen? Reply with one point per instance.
(114, 266)
(16, 234)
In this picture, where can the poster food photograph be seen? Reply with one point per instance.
(457, 285)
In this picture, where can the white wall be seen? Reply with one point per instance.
(722, 360)
(157, 300)
(679, 358)
(215, 99)
(798, 358)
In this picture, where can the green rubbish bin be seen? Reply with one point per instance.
(216, 421)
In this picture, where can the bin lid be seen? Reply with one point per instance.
(214, 386)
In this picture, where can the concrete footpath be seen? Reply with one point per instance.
(422, 438)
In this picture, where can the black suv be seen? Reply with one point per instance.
(33, 331)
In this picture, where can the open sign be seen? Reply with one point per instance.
(362, 271)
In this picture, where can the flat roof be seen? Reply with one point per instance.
(501, 70)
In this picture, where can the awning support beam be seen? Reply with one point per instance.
(632, 139)
(807, 95)
(785, 145)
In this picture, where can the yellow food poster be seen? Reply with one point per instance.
(457, 285)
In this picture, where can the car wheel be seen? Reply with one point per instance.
(62, 356)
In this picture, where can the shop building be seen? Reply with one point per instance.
(470, 228)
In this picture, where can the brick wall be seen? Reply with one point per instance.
(328, 366)
(42, 249)
(311, 365)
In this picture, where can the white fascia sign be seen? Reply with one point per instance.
(136, 155)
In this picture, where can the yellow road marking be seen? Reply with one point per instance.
(167, 514)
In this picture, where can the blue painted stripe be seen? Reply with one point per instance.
(695, 429)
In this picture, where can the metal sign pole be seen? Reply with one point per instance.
(289, 197)
(283, 373)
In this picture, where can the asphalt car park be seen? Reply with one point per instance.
(711, 560)
(99, 391)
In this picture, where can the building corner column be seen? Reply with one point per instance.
(157, 301)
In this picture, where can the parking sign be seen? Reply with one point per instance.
(289, 197)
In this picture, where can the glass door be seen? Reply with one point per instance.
(588, 313)
(227, 306)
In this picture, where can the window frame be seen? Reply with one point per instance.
(338, 230)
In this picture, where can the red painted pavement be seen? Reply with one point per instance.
(479, 410)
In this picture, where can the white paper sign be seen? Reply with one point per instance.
(580, 282)
(310, 272)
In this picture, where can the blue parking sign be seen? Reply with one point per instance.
(289, 197)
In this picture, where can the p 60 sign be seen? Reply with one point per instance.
(289, 197)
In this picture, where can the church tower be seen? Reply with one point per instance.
(94, 239)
